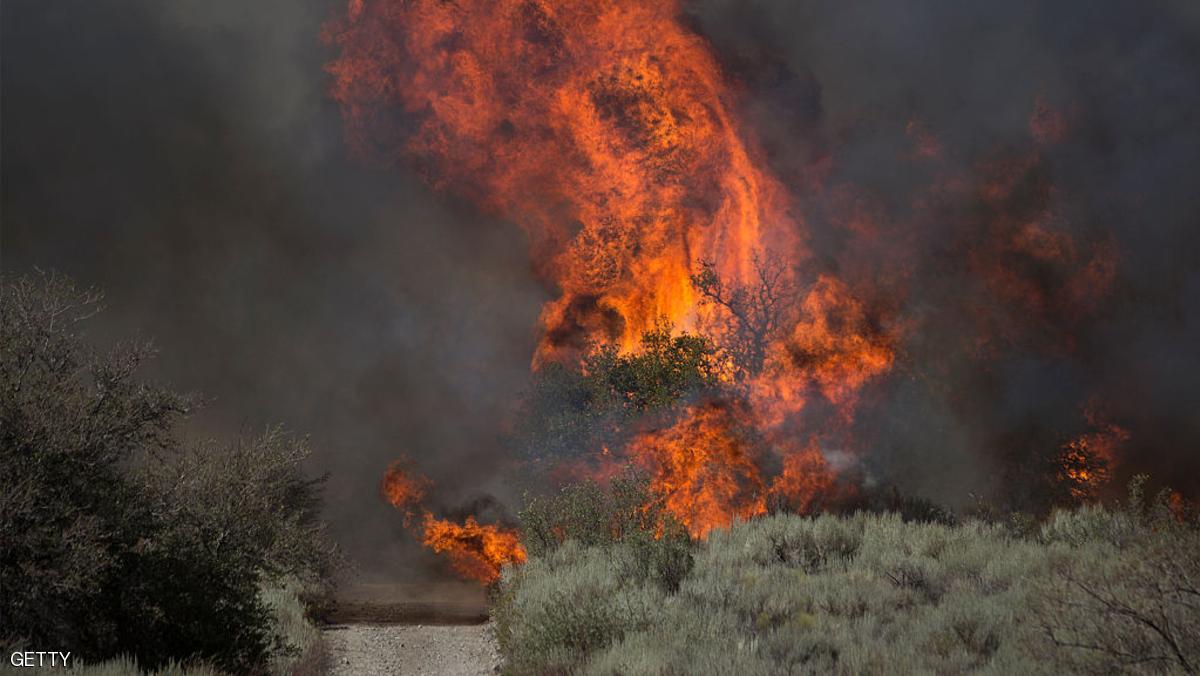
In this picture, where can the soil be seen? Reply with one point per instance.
(428, 628)
(370, 649)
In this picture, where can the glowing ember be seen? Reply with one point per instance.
(1086, 461)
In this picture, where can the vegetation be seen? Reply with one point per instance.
(756, 313)
(568, 410)
(117, 539)
(1092, 590)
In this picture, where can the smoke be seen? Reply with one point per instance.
(185, 157)
(838, 90)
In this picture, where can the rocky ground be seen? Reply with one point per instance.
(367, 650)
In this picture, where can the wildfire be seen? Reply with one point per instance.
(1086, 461)
(606, 130)
(476, 551)
(705, 467)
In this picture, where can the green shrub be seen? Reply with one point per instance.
(871, 594)
(569, 410)
(113, 540)
(303, 651)
(655, 545)
(565, 605)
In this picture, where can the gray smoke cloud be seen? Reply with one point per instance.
(184, 157)
(845, 80)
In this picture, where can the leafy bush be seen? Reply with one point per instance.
(567, 410)
(567, 604)
(113, 541)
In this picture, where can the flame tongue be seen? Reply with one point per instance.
(705, 467)
(475, 551)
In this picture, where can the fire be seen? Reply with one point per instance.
(1085, 462)
(476, 551)
(607, 131)
(806, 476)
(705, 467)
(833, 348)
(603, 128)
(402, 488)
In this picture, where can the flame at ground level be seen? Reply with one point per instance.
(476, 551)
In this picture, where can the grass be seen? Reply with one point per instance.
(1091, 591)
(304, 651)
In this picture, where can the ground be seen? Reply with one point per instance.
(367, 650)
(427, 627)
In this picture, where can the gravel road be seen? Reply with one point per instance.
(367, 650)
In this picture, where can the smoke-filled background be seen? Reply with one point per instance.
(185, 157)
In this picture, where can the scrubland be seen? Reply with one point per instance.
(1088, 590)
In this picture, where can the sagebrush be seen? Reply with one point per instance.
(1094, 590)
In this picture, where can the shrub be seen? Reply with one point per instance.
(1095, 591)
(113, 541)
(568, 410)
(70, 420)
(1115, 610)
(563, 606)
(656, 546)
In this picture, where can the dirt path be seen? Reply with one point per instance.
(370, 650)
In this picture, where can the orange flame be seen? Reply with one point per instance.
(704, 467)
(604, 128)
(806, 476)
(402, 488)
(1086, 461)
(476, 551)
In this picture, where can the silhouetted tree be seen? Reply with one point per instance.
(758, 311)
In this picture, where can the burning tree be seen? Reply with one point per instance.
(757, 312)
